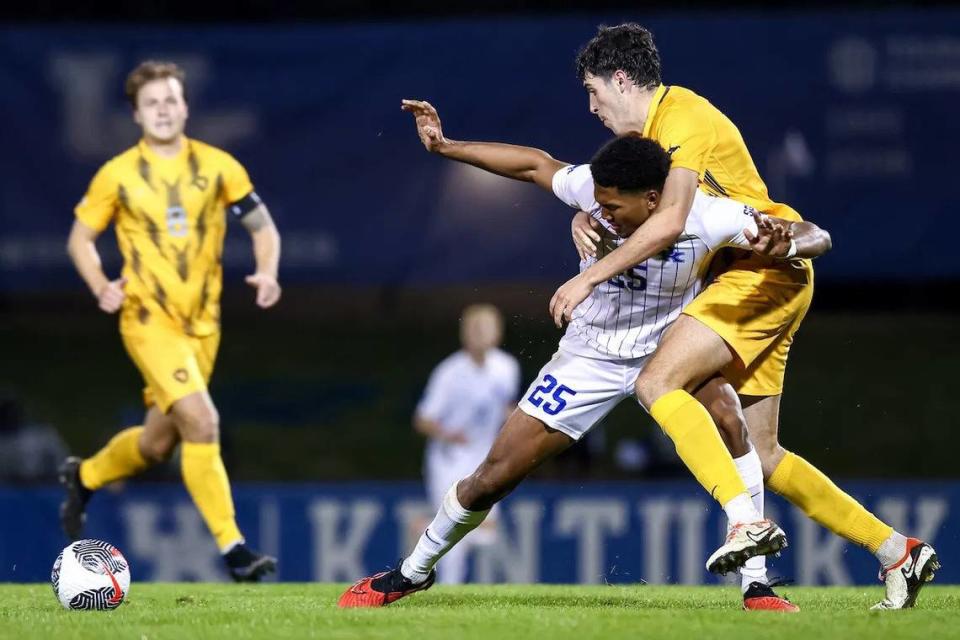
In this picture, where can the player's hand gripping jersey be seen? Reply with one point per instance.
(755, 304)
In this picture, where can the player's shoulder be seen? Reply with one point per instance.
(450, 364)
(206, 152)
(706, 204)
(681, 96)
(503, 360)
(126, 160)
(682, 104)
(713, 218)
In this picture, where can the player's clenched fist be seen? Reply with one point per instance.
(268, 289)
(111, 295)
(428, 123)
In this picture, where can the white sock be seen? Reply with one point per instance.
(892, 549)
(740, 510)
(751, 472)
(452, 568)
(451, 523)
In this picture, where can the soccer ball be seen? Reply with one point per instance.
(90, 575)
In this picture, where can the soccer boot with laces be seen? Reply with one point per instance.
(762, 597)
(246, 565)
(905, 578)
(383, 588)
(746, 540)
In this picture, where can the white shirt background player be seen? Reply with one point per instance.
(467, 399)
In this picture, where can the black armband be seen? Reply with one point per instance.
(245, 205)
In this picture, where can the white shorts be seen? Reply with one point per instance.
(572, 393)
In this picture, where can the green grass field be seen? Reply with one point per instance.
(180, 611)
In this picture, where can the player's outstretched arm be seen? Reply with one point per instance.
(266, 251)
(82, 249)
(511, 161)
(779, 238)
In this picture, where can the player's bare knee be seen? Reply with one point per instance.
(154, 451)
(199, 426)
(649, 388)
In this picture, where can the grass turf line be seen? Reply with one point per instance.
(496, 612)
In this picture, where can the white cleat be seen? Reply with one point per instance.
(746, 540)
(905, 579)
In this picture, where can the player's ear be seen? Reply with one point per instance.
(653, 199)
(137, 118)
(620, 77)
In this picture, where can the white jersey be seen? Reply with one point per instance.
(626, 316)
(465, 397)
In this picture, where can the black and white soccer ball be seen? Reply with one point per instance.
(90, 575)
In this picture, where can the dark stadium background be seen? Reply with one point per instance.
(847, 110)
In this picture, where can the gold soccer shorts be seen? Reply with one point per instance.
(756, 306)
(173, 364)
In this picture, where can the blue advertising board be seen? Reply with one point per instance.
(846, 114)
(657, 532)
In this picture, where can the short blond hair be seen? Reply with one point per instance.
(474, 310)
(151, 70)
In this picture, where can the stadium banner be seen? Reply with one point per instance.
(654, 532)
(846, 135)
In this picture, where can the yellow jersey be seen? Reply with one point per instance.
(700, 138)
(170, 219)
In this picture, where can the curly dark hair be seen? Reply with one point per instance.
(631, 163)
(628, 47)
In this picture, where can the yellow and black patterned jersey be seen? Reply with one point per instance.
(170, 219)
(700, 138)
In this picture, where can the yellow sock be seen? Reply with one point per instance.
(826, 504)
(207, 482)
(119, 459)
(698, 444)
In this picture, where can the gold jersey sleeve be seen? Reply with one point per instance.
(701, 138)
(236, 181)
(99, 204)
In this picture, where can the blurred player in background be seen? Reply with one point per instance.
(744, 322)
(168, 198)
(467, 399)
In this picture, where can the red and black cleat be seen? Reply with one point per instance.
(760, 597)
(381, 589)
